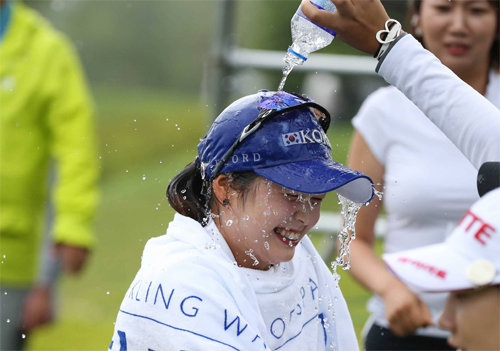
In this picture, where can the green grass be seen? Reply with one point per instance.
(145, 138)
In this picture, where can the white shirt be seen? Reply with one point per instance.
(189, 294)
(428, 183)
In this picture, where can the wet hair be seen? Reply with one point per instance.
(186, 194)
(414, 7)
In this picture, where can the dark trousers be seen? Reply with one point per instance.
(379, 338)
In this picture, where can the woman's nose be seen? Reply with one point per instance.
(458, 20)
(447, 318)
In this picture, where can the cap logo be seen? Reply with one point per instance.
(481, 230)
(424, 266)
(307, 136)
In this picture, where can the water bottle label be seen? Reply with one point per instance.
(301, 14)
(297, 54)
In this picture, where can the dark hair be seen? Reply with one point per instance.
(414, 7)
(186, 195)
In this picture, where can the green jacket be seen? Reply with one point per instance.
(45, 114)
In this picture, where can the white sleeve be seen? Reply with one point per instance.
(469, 120)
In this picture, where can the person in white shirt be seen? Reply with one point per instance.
(427, 182)
(467, 265)
(235, 270)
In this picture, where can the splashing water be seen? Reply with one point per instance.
(346, 235)
(249, 252)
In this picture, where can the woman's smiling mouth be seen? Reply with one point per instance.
(288, 237)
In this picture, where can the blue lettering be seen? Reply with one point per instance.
(291, 313)
(314, 287)
(237, 319)
(123, 340)
(275, 331)
(302, 292)
(147, 292)
(131, 294)
(137, 292)
(193, 308)
(322, 317)
(163, 298)
(256, 337)
(299, 306)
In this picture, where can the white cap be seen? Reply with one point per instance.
(469, 258)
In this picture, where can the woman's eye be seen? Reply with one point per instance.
(292, 197)
(316, 201)
(442, 8)
(478, 10)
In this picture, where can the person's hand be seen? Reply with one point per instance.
(405, 312)
(356, 22)
(37, 309)
(72, 258)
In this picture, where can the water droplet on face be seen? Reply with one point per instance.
(229, 223)
(266, 245)
(183, 191)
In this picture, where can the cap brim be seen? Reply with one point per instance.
(319, 177)
(433, 268)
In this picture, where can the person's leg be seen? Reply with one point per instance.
(379, 338)
(11, 305)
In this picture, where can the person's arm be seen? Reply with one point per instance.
(468, 119)
(72, 143)
(404, 310)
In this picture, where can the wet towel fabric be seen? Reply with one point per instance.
(189, 294)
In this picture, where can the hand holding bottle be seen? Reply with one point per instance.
(356, 22)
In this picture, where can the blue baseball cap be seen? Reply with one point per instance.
(290, 148)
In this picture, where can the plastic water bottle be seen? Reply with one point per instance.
(307, 37)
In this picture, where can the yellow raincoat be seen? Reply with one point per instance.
(45, 113)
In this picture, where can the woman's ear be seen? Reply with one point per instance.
(220, 186)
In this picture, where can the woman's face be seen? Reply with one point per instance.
(473, 317)
(265, 227)
(459, 32)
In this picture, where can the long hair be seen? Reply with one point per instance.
(189, 196)
(414, 7)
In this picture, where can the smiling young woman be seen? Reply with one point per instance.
(235, 270)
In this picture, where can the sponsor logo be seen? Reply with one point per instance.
(424, 266)
(308, 136)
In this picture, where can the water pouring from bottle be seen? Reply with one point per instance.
(307, 37)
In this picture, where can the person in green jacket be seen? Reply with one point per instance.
(45, 119)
